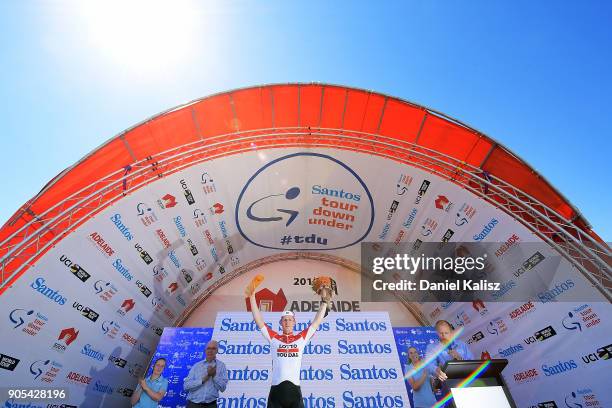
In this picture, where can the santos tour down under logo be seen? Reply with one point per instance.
(305, 201)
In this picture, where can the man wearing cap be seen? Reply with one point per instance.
(286, 350)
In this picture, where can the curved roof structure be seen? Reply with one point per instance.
(306, 115)
(143, 230)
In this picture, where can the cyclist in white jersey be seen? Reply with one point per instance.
(286, 349)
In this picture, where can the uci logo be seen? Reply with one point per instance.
(305, 201)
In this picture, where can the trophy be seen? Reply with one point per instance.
(324, 286)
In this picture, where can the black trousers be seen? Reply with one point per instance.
(191, 404)
(285, 395)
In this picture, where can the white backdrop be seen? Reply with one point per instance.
(142, 260)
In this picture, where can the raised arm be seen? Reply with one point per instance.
(321, 286)
(319, 317)
(256, 313)
(250, 293)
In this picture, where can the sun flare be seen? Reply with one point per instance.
(141, 35)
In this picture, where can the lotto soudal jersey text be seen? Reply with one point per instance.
(286, 353)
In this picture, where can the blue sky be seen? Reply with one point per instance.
(536, 76)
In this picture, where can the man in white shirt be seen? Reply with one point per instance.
(286, 349)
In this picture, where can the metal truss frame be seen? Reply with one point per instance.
(21, 250)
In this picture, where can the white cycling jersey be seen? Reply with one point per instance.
(286, 353)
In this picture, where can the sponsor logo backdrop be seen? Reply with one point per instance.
(133, 268)
(418, 337)
(557, 351)
(182, 348)
(350, 362)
